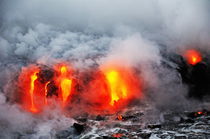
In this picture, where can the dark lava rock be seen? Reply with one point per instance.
(154, 126)
(69, 133)
(107, 137)
(79, 127)
(145, 135)
(52, 89)
(46, 74)
(189, 120)
(180, 137)
(99, 118)
(82, 119)
(197, 114)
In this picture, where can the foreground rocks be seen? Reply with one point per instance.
(193, 125)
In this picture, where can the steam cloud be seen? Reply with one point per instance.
(84, 33)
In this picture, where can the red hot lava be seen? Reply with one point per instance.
(122, 84)
(34, 92)
(31, 90)
(111, 88)
(193, 56)
(64, 82)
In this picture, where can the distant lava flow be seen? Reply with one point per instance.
(193, 56)
(110, 89)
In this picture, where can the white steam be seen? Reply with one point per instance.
(88, 32)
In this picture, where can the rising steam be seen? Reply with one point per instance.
(93, 34)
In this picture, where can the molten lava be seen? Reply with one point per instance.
(120, 117)
(193, 57)
(65, 83)
(117, 135)
(122, 84)
(35, 88)
(117, 86)
(108, 89)
(33, 79)
(31, 90)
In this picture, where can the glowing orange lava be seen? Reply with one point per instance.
(122, 84)
(117, 135)
(65, 83)
(34, 89)
(33, 79)
(29, 88)
(193, 57)
(200, 112)
(107, 89)
(119, 117)
(117, 86)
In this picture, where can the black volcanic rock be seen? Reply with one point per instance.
(197, 76)
(154, 126)
(100, 118)
(79, 127)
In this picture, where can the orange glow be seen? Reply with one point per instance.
(117, 86)
(122, 84)
(110, 89)
(65, 83)
(107, 90)
(117, 135)
(193, 57)
(33, 78)
(119, 117)
(34, 92)
(200, 112)
(66, 88)
(30, 93)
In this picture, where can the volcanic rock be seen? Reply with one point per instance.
(79, 127)
(154, 126)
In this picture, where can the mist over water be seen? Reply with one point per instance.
(133, 33)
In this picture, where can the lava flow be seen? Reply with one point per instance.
(123, 85)
(117, 86)
(37, 84)
(33, 79)
(64, 82)
(109, 89)
(31, 90)
(193, 56)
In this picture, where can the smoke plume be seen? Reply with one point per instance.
(132, 33)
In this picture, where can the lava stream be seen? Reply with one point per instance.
(117, 86)
(33, 79)
(65, 84)
(123, 85)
